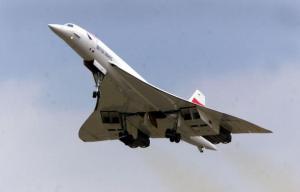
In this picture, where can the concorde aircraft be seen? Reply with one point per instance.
(131, 110)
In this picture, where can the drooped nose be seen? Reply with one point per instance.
(60, 30)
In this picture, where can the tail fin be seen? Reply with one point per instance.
(198, 98)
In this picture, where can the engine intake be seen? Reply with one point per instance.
(142, 140)
(223, 137)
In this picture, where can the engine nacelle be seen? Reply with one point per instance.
(224, 136)
(142, 139)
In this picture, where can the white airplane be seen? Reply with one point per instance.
(131, 110)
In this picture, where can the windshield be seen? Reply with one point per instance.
(69, 24)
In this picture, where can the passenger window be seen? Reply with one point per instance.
(76, 35)
(89, 36)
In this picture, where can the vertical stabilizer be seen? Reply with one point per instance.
(198, 98)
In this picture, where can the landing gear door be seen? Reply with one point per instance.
(99, 67)
(95, 67)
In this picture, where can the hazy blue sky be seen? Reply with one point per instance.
(244, 55)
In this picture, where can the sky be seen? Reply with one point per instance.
(243, 55)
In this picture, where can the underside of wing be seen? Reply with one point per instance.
(153, 111)
(94, 129)
(237, 125)
(164, 101)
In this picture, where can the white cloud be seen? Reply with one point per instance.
(271, 98)
(42, 152)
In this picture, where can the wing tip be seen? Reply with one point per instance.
(268, 131)
(262, 130)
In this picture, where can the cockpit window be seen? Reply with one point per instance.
(70, 25)
(89, 36)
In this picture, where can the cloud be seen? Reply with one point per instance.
(43, 153)
(264, 172)
(175, 174)
(270, 98)
(29, 136)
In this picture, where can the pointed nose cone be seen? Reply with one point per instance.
(60, 30)
(55, 28)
